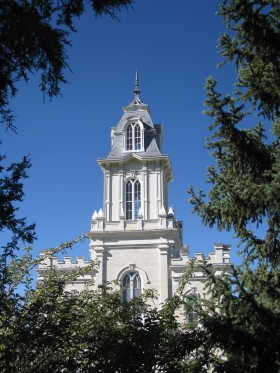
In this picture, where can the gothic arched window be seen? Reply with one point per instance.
(191, 308)
(129, 137)
(137, 137)
(132, 286)
(132, 199)
(133, 137)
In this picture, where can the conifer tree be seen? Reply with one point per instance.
(34, 37)
(242, 319)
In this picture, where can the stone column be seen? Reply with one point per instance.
(107, 196)
(159, 188)
(163, 252)
(101, 271)
(121, 193)
(145, 193)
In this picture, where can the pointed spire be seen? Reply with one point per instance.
(100, 214)
(137, 99)
(136, 89)
(162, 212)
(137, 104)
(171, 211)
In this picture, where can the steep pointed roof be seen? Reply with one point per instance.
(137, 110)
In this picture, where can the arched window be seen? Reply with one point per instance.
(131, 286)
(137, 137)
(133, 137)
(129, 137)
(133, 199)
(191, 308)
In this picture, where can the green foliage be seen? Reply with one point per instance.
(253, 45)
(27, 315)
(14, 270)
(245, 179)
(241, 317)
(34, 37)
(48, 330)
(11, 193)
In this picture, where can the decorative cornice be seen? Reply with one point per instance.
(103, 162)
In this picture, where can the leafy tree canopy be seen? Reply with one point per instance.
(49, 330)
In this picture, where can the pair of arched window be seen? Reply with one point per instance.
(132, 286)
(132, 199)
(133, 137)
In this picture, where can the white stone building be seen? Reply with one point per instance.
(135, 237)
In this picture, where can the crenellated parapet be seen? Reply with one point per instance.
(65, 266)
(219, 257)
(66, 263)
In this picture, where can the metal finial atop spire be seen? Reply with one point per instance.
(137, 99)
(136, 89)
(137, 104)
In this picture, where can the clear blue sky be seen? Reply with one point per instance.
(173, 46)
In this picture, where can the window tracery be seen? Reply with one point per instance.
(132, 286)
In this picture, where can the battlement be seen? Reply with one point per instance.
(66, 263)
(220, 256)
(65, 266)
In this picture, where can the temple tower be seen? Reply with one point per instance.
(136, 235)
